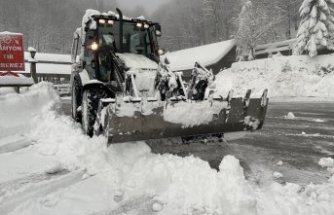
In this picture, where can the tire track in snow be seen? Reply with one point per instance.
(16, 192)
(15, 146)
(141, 205)
(10, 186)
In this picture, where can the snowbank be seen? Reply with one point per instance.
(17, 110)
(327, 163)
(129, 178)
(16, 81)
(173, 185)
(294, 76)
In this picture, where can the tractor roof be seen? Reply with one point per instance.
(91, 16)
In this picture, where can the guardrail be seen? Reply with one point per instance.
(266, 50)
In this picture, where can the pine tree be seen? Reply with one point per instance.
(316, 28)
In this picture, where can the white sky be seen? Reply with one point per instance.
(151, 5)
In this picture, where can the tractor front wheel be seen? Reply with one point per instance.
(90, 102)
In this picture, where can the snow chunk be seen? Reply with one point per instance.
(236, 196)
(327, 163)
(280, 163)
(277, 175)
(118, 196)
(290, 116)
(157, 206)
(88, 17)
(31, 49)
(191, 114)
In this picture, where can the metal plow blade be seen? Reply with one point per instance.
(156, 120)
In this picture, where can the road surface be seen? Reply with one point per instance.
(292, 147)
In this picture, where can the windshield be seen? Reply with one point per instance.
(135, 40)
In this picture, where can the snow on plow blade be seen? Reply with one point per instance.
(155, 120)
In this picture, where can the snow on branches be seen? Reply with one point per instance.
(256, 22)
(316, 29)
(244, 31)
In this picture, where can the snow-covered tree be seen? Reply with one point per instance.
(256, 23)
(316, 28)
(244, 48)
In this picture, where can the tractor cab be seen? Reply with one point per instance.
(110, 41)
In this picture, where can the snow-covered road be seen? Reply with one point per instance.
(49, 167)
(297, 133)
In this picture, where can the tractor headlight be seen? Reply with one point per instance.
(146, 26)
(110, 22)
(139, 25)
(94, 46)
(102, 21)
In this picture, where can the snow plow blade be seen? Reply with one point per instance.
(164, 120)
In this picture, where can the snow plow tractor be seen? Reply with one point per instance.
(122, 89)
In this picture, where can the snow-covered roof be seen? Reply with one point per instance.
(49, 68)
(57, 58)
(206, 55)
(10, 33)
(56, 64)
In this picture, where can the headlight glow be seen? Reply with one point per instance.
(110, 22)
(139, 25)
(94, 46)
(102, 21)
(146, 25)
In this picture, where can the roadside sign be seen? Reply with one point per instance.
(11, 52)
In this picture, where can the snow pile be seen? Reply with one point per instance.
(17, 110)
(188, 114)
(327, 163)
(176, 185)
(142, 182)
(290, 115)
(191, 114)
(277, 175)
(294, 76)
(58, 136)
(13, 80)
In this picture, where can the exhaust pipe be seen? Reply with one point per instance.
(120, 14)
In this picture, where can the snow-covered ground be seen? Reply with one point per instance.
(20, 80)
(49, 167)
(293, 78)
